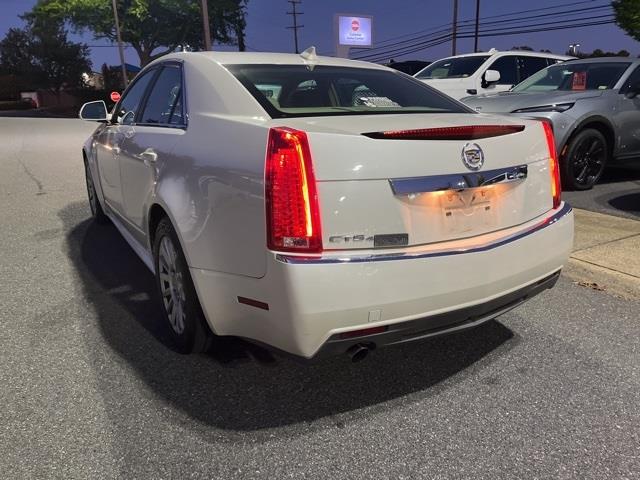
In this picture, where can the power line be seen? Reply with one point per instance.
(372, 51)
(544, 9)
(447, 26)
(497, 33)
(294, 13)
(400, 50)
(446, 38)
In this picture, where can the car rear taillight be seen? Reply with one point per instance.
(554, 167)
(293, 215)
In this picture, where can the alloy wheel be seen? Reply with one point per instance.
(91, 191)
(171, 285)
(588, 161)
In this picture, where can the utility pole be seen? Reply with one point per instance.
(205, 24)
(475, 44)
(295, 25)
(125, 80)
(455, 27)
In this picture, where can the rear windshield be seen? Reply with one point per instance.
(460, 67)
(303, 91)
(574, 77)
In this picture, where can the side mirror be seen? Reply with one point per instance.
(491, 76)
(95, 111)
(633, 91)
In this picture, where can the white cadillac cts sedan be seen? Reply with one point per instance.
(321, 206)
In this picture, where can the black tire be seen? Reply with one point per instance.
(94, 202)
(174, 282)
(585, 160)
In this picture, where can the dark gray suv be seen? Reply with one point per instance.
(593, 105)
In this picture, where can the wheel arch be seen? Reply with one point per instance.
(156, 213)
(92, 166)
(596, 122)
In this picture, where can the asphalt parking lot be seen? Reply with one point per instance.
(90, 389)
(617, 193)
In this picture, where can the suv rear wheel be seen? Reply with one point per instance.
(584, 161)
(187, 325)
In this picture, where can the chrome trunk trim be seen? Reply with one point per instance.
(457, 181)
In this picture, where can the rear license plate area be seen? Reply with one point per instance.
(468, 211)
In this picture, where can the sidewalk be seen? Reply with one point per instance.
(606, 253)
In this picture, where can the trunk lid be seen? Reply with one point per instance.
(391, 193)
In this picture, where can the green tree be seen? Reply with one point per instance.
(15, 55)
(152, 27)
(627, 14)
(42, 56)
(597, 53)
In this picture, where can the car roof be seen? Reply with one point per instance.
(606, 60)
(266, 58)
(525, 53)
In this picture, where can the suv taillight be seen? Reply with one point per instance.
(293, 215)
(554, 167)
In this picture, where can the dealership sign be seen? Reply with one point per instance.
(354, 31)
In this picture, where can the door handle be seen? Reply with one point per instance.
(116, 150)
(149, 156)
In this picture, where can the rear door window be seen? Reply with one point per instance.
(531, 65)
(164, 105)
(598, 77)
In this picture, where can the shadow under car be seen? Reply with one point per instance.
(227, 388)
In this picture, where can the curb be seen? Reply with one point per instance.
(606, 254)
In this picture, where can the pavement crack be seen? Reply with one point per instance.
(606, 243)
(606, 268)
(32, 176)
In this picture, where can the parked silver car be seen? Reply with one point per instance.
(594, 108)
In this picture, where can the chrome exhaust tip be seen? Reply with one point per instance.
(358, 352)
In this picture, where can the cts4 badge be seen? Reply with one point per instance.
(472, 156)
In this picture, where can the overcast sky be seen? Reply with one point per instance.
(267, 20)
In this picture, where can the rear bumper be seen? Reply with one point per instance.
(414, 293)
(440, 324)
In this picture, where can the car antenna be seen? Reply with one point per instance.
(310, 56)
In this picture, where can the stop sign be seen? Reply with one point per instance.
(115, 96)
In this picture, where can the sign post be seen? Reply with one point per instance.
(352, 31)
